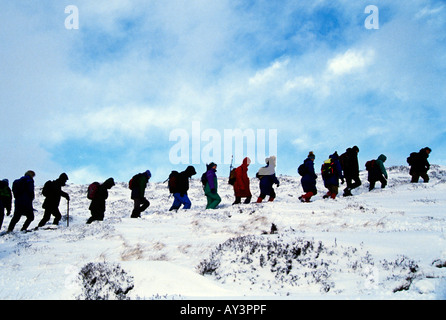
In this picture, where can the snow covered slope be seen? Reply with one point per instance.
(384, 244)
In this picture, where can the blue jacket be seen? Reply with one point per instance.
(24, 200)
(266, 183)
(334, 179)
(309, 179)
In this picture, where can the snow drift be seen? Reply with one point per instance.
(384, 244)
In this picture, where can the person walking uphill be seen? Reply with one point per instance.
(377, 172)
(308, 180)
(211, 187)
(52, 191)
(350, 167)
(267, 177)
(98, 193)
(178, 186)
(23, 190)
(5, 200)
(138, 186)
(419, 166)
(331, 173)
(241, 183)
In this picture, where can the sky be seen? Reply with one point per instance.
(111, 88)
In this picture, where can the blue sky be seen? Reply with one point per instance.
(102, 100)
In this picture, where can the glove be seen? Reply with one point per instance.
(213, 191)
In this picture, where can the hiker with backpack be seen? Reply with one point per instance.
(5, 200)
(138, 186)
(210, 183)
(377, 172)
(98, 193)
(23, 190)
(241, 183)
(178, 186)
(309, 177)
(350, 168)
(52, 191)
(331, 174)
(419, 165)
(267, 177)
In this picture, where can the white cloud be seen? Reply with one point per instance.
(116, 124)
(270, 73)
(350, 61)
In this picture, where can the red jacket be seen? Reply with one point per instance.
(241, 185)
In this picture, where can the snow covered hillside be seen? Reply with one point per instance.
(385, 244)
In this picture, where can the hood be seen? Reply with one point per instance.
(246, 162)
(271, 161)
(334, 156)
(270, 167)
(190, 171)
(109, 183)
(382, 157)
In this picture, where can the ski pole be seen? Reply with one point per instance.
(68, 213)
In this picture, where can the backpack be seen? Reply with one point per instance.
(173, 181)
(327, 169)
(18, 187)
(412, 158)
(232, 177)
(369, 165)
(343, 160)
(92, 190)
(302, 170)
(204, 179)
(47, 187)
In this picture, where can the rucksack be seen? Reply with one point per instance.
(369, 165)
(412, 158)
(173, 181)
(46, 191)
(327, 169)
(232, 177)
(204, 179)
(92, 190)
(18, 187)
(343, 159)
(134, 180)
(302, 170)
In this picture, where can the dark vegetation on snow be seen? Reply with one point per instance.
(104, 281)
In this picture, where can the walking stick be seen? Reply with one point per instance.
(68, 213)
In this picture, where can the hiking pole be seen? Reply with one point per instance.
(68, 213)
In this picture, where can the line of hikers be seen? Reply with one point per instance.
(344, 168)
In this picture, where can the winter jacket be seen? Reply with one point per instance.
(380, 161)
(349, 163)
(98, 203)
(5, 195)
(52, 191)
(24, 199)
(419, 162)
(211, 183)
(267, 176)
(334, 179)
(139, 184)
(308, 180)
(378, 170)
(241, 184)
(182, 184)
